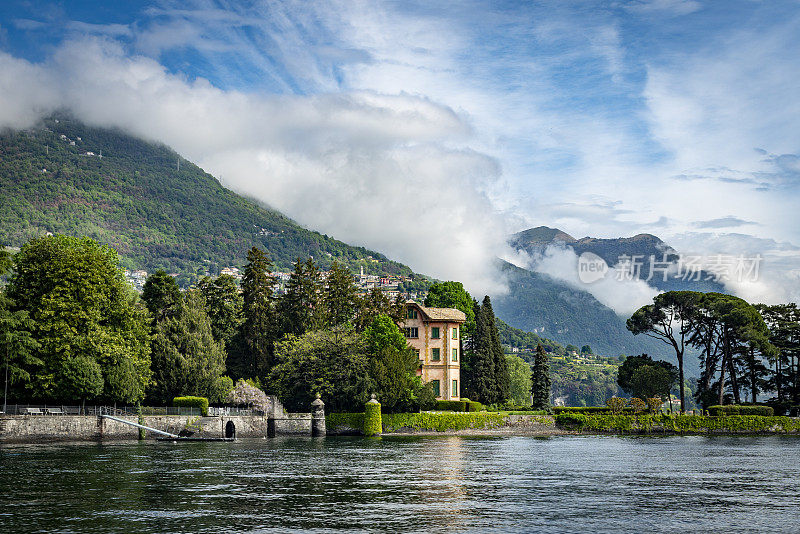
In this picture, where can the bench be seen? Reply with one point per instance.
(54, 411)
(31, 411)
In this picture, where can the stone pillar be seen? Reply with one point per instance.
(318, 417)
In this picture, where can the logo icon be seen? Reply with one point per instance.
(591, 267)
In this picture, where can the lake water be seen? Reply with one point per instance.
(390, 484)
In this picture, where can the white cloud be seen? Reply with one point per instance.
(389, 172)
(622, 296)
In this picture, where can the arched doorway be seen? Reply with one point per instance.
(230, 430)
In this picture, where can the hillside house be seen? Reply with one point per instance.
(435, 334)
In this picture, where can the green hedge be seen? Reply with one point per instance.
(586, 409)
(739, 409)
(570, 420)
(452, 406)
(475, 406)
(344, 422)
(677, 423)
(192, 402)
(580, 409)
(442, 422)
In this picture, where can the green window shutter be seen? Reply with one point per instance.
(455, 388)
(455, 333)
(455, 355)
(435, 355)
(436, 390)
(435, 332)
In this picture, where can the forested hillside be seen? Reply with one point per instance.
(538, 303)
(155, 208)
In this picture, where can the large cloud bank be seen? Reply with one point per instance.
(394, 173)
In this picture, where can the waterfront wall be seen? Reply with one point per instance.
(47, 428)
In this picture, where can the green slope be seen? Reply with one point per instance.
(538, 303)
(136, 199)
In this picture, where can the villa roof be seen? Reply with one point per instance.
(451, 315)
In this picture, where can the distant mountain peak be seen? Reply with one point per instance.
(541, 235)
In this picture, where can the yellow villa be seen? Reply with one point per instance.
(435, 333)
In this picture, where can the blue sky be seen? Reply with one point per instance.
(674, 117)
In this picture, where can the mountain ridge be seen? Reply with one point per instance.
(156, 208)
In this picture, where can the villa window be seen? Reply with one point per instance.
(455, 388)
(412, 332)
(436, 388)
(455, 355)
(435, 355)
(455, 333)
(435, 332)
(412, 313)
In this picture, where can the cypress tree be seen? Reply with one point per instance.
(540, 387)
(501, 386)
(477, 370)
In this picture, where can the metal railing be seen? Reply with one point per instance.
(51, 409)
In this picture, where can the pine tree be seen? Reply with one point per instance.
(187, 360)
(339, 296)
(162, 295)
(540, 387)
(254, 357)
(300, 307)
(224, 307)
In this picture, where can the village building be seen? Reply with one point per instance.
(435, 334)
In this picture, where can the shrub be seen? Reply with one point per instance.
(637, 404)
(200, 403)
(616, 405)
(654, 404)
(570, 420)
(246, 394)
(738, 409)
(452, 406)
(373, 424)
(474, 406)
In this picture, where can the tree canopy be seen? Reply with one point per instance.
(84, 319)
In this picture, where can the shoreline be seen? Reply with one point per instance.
(79, 428)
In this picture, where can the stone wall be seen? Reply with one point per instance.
(45, 428)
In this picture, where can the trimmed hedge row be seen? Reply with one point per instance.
(677, 423)
(192, 402)
(442, 422)
(463, 405)
(586, 409)
(433, 421)
(344, 422)
(739, 409)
